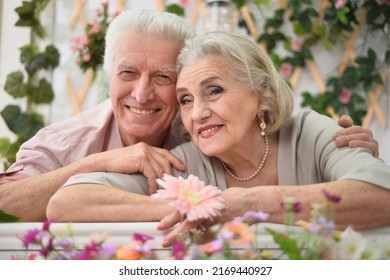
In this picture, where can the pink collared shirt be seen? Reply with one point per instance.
(59, 144)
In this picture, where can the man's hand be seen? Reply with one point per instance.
(153, 162)
(355, 136)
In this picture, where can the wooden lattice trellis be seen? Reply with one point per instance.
(77, 100)
(349, 55)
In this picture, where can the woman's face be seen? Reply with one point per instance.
(218, 110)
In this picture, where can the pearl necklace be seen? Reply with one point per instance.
(258, 168)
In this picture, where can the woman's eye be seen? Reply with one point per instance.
(183, 100)
(215, 90)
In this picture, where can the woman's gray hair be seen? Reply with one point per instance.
(250, 65)
(147, 22)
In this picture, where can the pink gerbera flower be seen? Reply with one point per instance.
(191, 197)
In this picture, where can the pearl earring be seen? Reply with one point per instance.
(263, 126)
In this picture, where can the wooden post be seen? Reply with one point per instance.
(78, 13)
(78, 100)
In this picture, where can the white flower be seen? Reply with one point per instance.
(351, 245)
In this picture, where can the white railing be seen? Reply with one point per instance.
(121, 233)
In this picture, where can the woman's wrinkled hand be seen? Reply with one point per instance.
(234, 206)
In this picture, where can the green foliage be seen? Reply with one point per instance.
(6, 217)
(27, 85)
(175, 9)
(363, 73)
(378, 16)
(288, 244)
(271, 35)
(338, 21)
(29, 15)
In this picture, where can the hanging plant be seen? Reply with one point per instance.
(27, 84)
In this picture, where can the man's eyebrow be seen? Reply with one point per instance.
(167, 69)
(125, 64)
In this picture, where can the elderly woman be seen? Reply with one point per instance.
(245, 140)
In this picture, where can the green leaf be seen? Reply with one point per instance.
(6, 217)
(14, 85)
(26, 12)
(52, 56)
(306, 54)
(327, 43)
(175, 9)
(261, 2)
(28, 53)
(373, 13)
(288, 245)
(298, 29)
(350, 77)
(311, 12)
(307, 99)
(44, 93)
(371, 55)
(367, 85)
(41, 5)
(279, 36)
(306, 23)
(36, 64)
(275, 58)
(13, 149)
(28, 124)
(10, 113)
(378, 79)
(239, 3)
(29, 14)
(387, 57)
(5, 145)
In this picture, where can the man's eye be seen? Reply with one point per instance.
(164, 80)
(127, 74)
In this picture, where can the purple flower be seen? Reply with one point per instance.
(178, 250)
(89, 252)
(107, 251)
(252, 217)
(32, 236)
(142, 237)
(257, 216)
(46, 225)
(45, 251)
(331, 198)
(291, 206)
